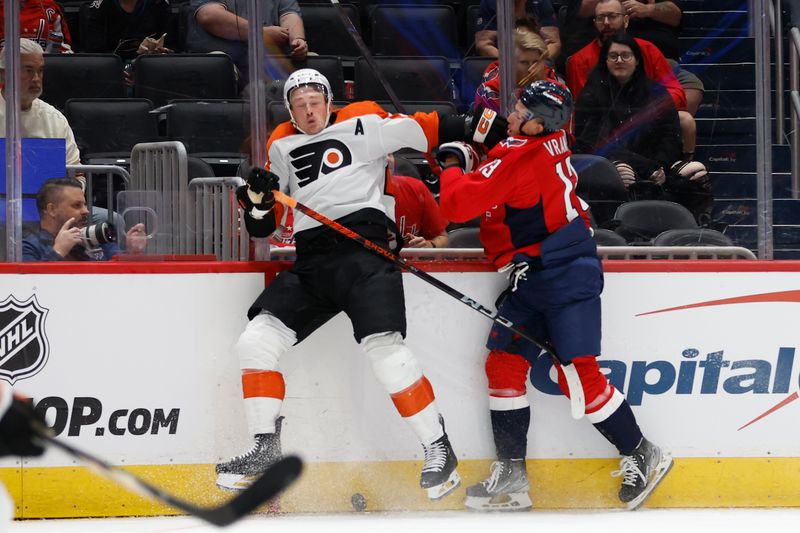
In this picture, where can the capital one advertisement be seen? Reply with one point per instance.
(139, 369)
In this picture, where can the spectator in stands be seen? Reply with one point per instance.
(624, 116)
(530, 55)
(610, 17)
(123, 27)
(38, 119)
(221, 25)
(659, 22)
(63, 215)
(416, 212)
(540, 10)
(42, 21)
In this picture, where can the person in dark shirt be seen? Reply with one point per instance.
(540, 10)
(63, 214)
(120, 26)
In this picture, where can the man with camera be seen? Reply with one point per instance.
(63, 233)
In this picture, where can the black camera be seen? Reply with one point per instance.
(98, 234)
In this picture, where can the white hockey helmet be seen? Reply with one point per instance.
(307, 77)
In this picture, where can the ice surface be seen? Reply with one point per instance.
(644, 521)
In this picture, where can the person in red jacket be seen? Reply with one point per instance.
(610, 18)
(42, 21)
(534, 225)
(416, 213)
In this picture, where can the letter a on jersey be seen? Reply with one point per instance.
(359, 128)
(320, 158)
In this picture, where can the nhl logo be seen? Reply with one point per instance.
(23, 344)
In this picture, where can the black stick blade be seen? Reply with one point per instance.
(271, 483)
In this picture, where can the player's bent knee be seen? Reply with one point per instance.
(507, 374)
(601, 397)
(392, 361)
(262, 343)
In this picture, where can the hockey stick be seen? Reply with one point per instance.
(351, 29)
(577, 400)
(276, 478)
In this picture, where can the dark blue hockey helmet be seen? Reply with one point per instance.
(548, 101)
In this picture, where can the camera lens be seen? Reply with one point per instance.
(98, 234)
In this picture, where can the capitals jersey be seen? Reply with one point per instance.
(343, 168)
(524, 192)
(42, 21)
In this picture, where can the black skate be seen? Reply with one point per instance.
(240, 472)
(439, 476)
(641, 473)
(506, 488)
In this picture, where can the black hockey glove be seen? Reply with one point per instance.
(467, 156)
(17, 433)
(484, 126)
(487, 127)
(256, 197)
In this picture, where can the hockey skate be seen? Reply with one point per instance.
(240, 472)
(506, 488)
(439, 475)
(641, 473)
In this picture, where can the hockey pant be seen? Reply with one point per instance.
(606, 407)
(266, 339)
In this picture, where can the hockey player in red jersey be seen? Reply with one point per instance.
(336, 161)
(534, 225)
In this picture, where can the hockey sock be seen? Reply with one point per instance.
(510, 430)
(621, 429)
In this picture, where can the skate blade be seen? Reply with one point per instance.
(508, 503)
(234, 482)
(440, 491)
(662, 469)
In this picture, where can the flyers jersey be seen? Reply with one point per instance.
(342, 169)
(523, 192)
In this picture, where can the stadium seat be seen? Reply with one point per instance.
(443, 108)
(81, 76)
(210, 129)
(428, 30)
(473, 12)
(472, 69)
(327, 34)
(692, 237)
(109, 128)
(606, 237)
(172, 76)
(641, 221)
(411, 78)
(599, 185)
(466, 237)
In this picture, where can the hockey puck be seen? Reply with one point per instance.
(359, 502)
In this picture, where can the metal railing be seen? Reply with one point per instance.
(217, 227)
(605, 252)
(162, 169)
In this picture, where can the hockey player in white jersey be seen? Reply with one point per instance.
(336, 162)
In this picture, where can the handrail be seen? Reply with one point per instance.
(794, 86)
(109, 171)
(605, 252)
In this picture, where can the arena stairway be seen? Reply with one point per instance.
(717, 44)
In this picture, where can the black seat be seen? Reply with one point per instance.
(326, 32)
(466, 237)
(606, 237)
(197, 168)
(410, 77)
(180, 76)
(209, 128)
(109, 128)
(641, 221)
(406, 30)
(600, 185)
(472, 69)
(443, 108)
(81, 76)
(692, 237)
